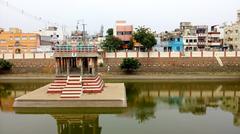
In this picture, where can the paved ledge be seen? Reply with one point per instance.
(150, 76)
(114, 95)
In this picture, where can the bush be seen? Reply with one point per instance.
(101, 64)
(130, 65)
(5, 65)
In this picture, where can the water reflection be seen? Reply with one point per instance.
(78, 124)
(188, 97)
(11, 90)
(74, 120)
(144, 100)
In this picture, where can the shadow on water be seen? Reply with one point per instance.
(144, 100)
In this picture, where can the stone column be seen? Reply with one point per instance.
(56, 66)
(81, 66)
(68, 62)
(90, 63)
(93, 66)
(60, 65)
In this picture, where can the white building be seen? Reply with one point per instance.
(232, 34)
(55, 34)
(190, 43)
(48, 37)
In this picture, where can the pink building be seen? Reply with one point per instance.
(123, 31)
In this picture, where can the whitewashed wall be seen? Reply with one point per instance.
(132, 54)
(129, 54)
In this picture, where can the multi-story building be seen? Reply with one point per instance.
(202, 35)
(51, 34)
(123, 31)
(190, 36)
(232, 34)
(186, 28)
(214, 37)
(171, 41)
(17, 42)
(190, 43)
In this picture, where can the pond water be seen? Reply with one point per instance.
(154, 107)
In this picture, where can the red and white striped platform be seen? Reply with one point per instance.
(75, 86)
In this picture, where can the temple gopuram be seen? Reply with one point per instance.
(76, 71)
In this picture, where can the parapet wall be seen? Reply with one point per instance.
(160, 64)
(178, 65)
(36, 66)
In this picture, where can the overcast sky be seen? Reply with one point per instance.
(160, 15)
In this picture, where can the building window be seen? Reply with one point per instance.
(178, 39)
(17, 38)
(3, 41)
(24, 38)
(187, 40)
(195, 40)
(119, 33)
(190, 40)
(32, 38)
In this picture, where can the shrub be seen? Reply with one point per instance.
(101, 64)
(130, 65)
(5, 65)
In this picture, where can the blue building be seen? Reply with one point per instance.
(175, 44)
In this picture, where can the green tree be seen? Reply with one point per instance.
(110, 32)
(111, 43)
(145, 36)
(130, 64)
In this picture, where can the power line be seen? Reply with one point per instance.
(29, 15)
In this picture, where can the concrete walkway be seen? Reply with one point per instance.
(187, 76)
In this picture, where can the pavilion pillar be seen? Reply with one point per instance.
(56, 66)
(93, 66)
(90, 67)
(61, 65)
(68, 62)
(81, 66)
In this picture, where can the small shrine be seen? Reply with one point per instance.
(76, 71)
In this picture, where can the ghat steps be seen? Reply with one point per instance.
(74, 86)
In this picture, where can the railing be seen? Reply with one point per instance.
(197, 54)
(131, 54)
(77, 48)
(8, 56)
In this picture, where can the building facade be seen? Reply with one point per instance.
(190, 43)
(171, 41)
(232, 34)
(214, 38)
(15, 41)
(202, 35)
(123, 31)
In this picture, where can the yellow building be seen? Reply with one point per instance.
(14, 41)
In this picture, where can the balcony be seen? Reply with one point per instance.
(75, 51)
(77, 48)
